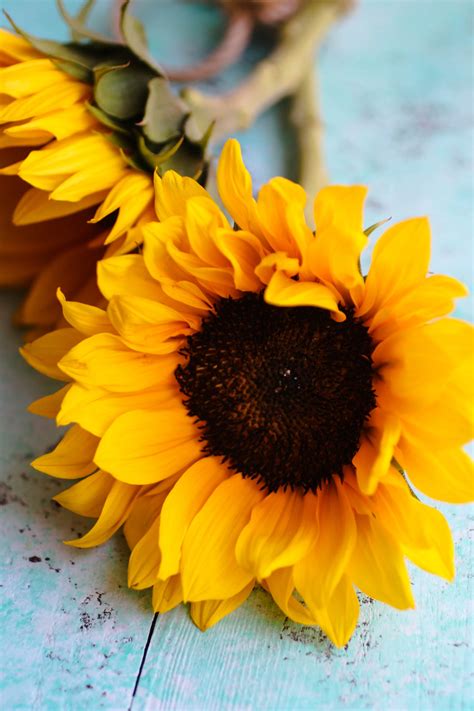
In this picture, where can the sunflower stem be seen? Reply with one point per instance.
(305, 116)
(277, 76)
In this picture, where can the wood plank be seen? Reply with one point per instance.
(73, 634)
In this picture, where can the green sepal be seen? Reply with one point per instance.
(122, 92)
(74, 69)
(189, 161)
(165, 113)
(155, 158)
(372, 228)
(135, 37)
(77, 26)
(119, 140)
(107, 120)
(86, 8)
(134, 160)
(75, 59)
(196, 134)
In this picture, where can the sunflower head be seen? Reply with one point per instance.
(251, 406)
(83, 127)
(129, 95)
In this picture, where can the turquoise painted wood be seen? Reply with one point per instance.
(397, 95)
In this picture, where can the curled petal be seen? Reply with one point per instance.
(283, 291)
(207, 613)
(372, 460)
(45, 353)
(72, 458)
(114, 513)
(87, 498)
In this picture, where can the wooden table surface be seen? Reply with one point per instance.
(397, 88)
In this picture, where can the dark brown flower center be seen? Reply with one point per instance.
(282, 394)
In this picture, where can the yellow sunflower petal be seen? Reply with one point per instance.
(45, 353)
(172, 192)
(372, 460)
(88, 496)
(209, 612)
(89, 181)
(49, 167)
(126, 190)
(146, 508)
(17, 48)
(143, 447)
(422, 530)
(145, 559)
(30, 77)
(235, 188)
(52, 98)
(217, 280)
(421, 360)
(448, 422)
(318, 574)
(340, 206)
(182, 504)
(377, 566)
(126, 274)
(333, 256)
(400, 262)
(50, 405)
(276, 262)
(209, 568)
(281, 587)
(454, 337)
(104, 361)
(446, 475)
(274, 201)
(281, 530)
(339, 617)
(95, 409)
(86, 319)
(59, 124)
(432, 298)
(244, 251)
(149, 326)
(71, 268)
(35, 206)
(167, 594)
(283, 291)
(114, 513)
(16, 142)
(73, 456)
(203, 219)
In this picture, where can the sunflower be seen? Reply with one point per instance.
(81, 132)
(251, 407)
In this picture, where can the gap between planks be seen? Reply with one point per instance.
(143, 660)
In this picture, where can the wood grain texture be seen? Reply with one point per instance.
(73, 634)
(397, 96)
